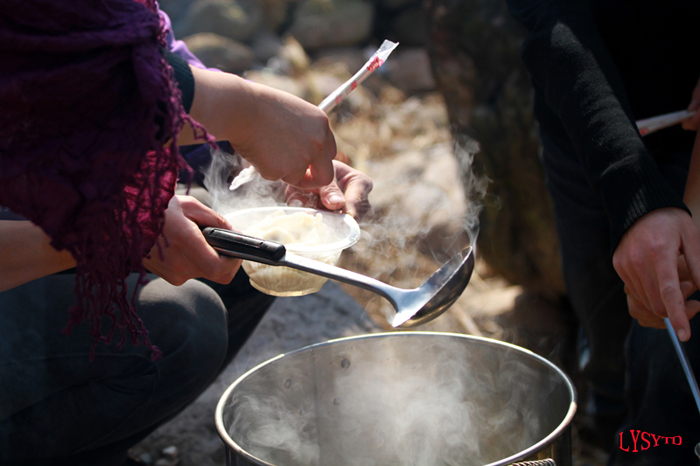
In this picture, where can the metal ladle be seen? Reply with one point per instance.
(687, 369)
(414, 307)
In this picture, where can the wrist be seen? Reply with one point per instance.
(221, 104)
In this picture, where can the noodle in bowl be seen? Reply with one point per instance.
(316, 234)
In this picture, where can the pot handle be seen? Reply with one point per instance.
(547, 462)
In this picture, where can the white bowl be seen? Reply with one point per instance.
(341, 232)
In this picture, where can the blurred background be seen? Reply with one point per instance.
(445, 130)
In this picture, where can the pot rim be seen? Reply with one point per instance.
(541, 445)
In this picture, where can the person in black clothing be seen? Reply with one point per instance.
(598, 66)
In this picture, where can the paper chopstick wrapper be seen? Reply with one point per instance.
(649, 125)
(337, 96)
(374, 62)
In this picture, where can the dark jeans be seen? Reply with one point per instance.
(58, 408)
(594, 288)
(660, 401)
(634, 373)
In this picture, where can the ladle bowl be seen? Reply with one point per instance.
(413, 306)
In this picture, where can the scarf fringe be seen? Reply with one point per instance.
(101, 175)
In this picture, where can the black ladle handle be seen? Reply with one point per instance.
(234, 244)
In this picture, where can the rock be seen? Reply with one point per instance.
(176, 9)
(422, 201)
(166, 462)
(474, 46)
(171, 452)
(333, 23)
(265, 45)
(278, 81)
(323, 83)
(293, 52)
(350, 59)
(221, 52)
(276, 13)
(395, 4)
(228, 18)
(409, 70)
(408, 27)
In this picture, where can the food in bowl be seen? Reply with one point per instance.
(312, 233)
(295, 228)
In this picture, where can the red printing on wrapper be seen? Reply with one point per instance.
(374, 64)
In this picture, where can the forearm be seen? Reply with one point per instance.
(582, 88)
(281, 135)
(221, 100)
(26, 254)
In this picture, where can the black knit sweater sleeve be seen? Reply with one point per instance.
(572, 68)
(183, 76)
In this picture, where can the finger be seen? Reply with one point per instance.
(683, 270)
(653, 272)
(231, 271)
(692, 123)
(197, 257)
(357, 196)
(331, 147)
(643, 315)
(692, 308)
(656, 323)
(626, 264)
(318, 174)
(637, 307)
(687, 289)
(295, 178)
(691, 253)
(321, 171)
(203, 215)
(171, 266)
(331, 196)
(652, 322)
(674, 303)
(209, 262)
(634, 286)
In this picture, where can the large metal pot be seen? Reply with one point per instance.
(401, 398)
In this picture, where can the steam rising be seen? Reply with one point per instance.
(256, 193)
(389, 401)
(474, 185)
(395, 401)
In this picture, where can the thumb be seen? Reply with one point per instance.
(203, 215)
(331, 196)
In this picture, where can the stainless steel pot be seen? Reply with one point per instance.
(401, 398)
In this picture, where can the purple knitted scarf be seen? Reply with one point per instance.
(87, 104)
